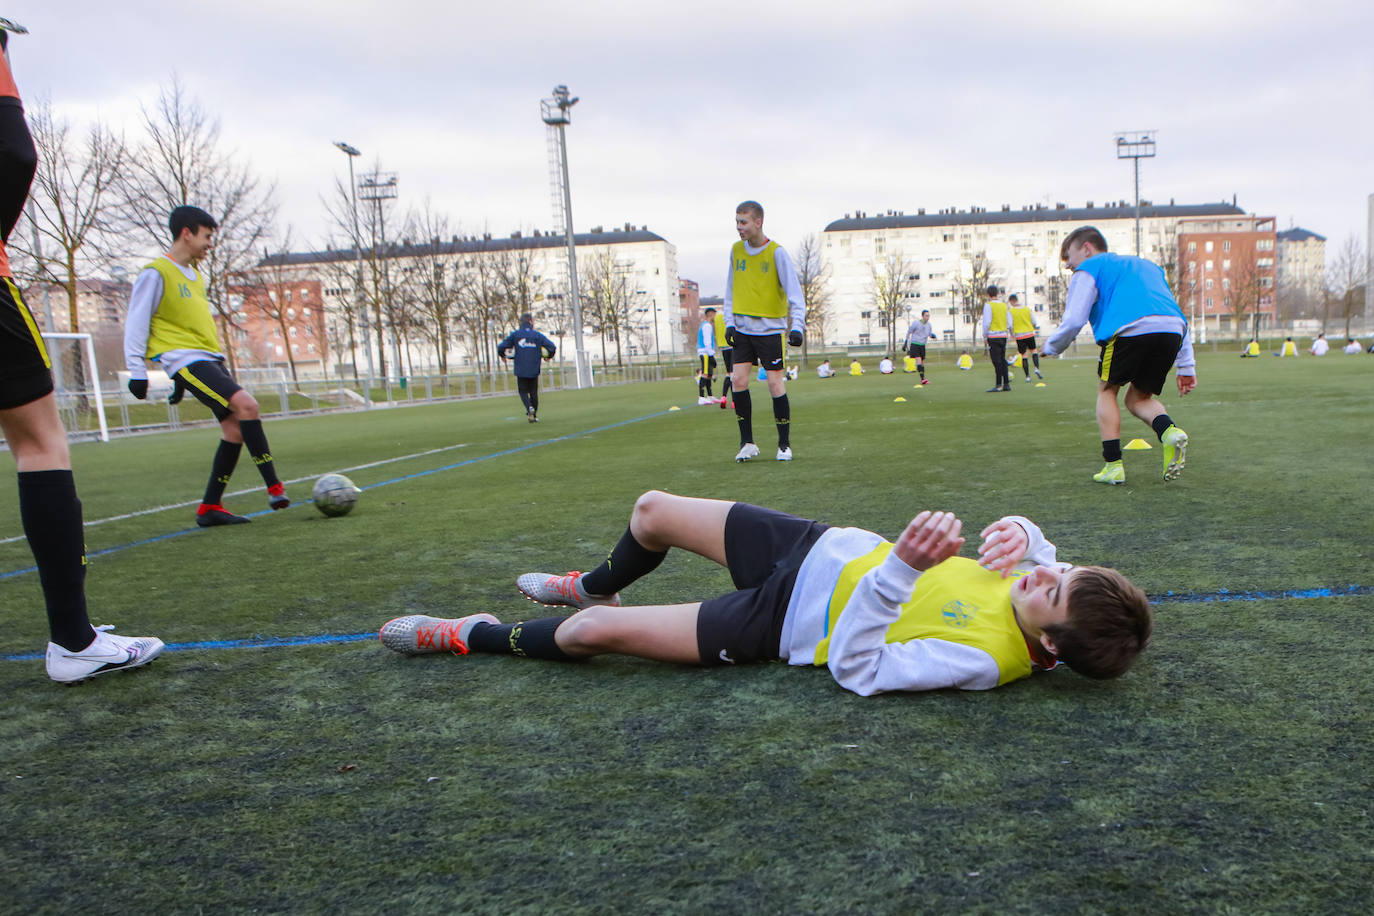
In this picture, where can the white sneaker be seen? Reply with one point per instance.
(565, 590)
(785, 454)
(747, 451)
(108, 653)
(417, 634)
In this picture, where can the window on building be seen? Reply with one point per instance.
(1208, 265)
(1209, 282)
(1266, 282)
(293, 331)
(310, 348)
(306, 311)
(863, 340)
(879, 245)
(947, 237)
(1225, 282)
(864, 315)
(290, 313)
(305, 293)
(279, 350)
(1226, 264)
(1209, 301)
(1264, 245)
(1192, 247)
(1264, 263)
(1208, 246)
(288, 295)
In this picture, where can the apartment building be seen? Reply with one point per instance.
(1227, 280)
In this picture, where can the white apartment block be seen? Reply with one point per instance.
(1301, 262)
(642, 263)
(1021, 247)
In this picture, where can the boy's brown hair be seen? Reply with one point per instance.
(752, 207)
(1087, 234)
(1109, 623)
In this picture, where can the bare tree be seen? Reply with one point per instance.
(1242, 293)
(813, 274)
(266, 290)
(970, 288)
(72, 204)
(437, 284)
(892, 279)
(1346, 279)
(181, 161)
(608, 300)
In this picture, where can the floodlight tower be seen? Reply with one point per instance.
(377, 187)
(555, 113)
(352, 152)
(1136, 145)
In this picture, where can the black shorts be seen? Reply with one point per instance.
(727, 358)
(916, 351)
(25, 369)
(762, 350)
(764, 550)
(706, 366)
(1025, 344)
(1143, 360)
(212, 385)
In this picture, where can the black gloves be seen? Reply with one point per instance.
(138, 387)
(794, 338)
(178, 390)
(729, 337)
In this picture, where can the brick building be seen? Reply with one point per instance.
(1227, 273)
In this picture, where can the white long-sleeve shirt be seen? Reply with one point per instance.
(859, 657)
(987, 321)
(143, 301)
(1078, 304)
(786, 273)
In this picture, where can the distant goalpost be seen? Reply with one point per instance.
(76, 384)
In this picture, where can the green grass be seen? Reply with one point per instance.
(1229, 771)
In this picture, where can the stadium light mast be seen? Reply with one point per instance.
(352, 152)
(555, 113)
(1136, 145)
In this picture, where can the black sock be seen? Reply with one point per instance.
(1161, 423)
(782, 415)
(725, 389)
(528, 638)
(701, 387)
(630, 560)
(921, 368)
(256, 440)
(1036, 357)
(51, 515)
(1111, 450)
(1025, 366)
(744, 412)
(226, 457)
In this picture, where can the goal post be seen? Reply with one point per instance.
(76, 384)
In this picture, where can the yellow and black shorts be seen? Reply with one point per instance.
(212, 385)
(25, 369)
(1143, 360)
(706, 365)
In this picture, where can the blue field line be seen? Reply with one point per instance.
(271, 642)
(448, 467)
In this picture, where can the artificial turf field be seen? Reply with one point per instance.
(1231, 770)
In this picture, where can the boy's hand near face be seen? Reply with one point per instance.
(931, 538)
(1004, 545)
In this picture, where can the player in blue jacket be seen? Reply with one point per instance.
(530, 347)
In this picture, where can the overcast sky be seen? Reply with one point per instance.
(813, 108)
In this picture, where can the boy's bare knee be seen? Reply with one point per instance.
(648, 508)
(587, 632)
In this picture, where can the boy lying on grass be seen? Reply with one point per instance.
(882, 616)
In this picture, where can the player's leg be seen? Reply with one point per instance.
(534, 398)
(658, 522)
(1155, 358)
(727, 356)
(782, 412)
(745, 360)
(522, 388)
(245, 408)
(1109, 428)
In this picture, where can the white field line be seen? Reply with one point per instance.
(196, 502)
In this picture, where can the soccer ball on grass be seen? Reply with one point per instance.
(335, 495)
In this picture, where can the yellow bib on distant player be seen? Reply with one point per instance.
(1289, 349)
(756, 286)
(998, 327)
(1022, 324)
(957, 600)
(181, 320)
(965, 361)
(909, 364)
(720, 330)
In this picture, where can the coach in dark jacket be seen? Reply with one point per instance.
(530, 347)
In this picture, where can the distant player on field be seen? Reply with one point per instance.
(1023, 329)
(48, 507)
(996, 330)
(881, 616)
(706, 354)
(1142, 333)
(531, 349)
(762, 296)
(915, 343)
(727, 361)
(170, 323)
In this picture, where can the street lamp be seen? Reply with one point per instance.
(1136, 145)
(555, 113)
(352, 152)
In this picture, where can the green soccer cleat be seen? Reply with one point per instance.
(1113, 472)
(1175, 451)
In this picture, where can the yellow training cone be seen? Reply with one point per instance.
(675, 407)
(1039, 384)
(1137, 445)
(899, 400)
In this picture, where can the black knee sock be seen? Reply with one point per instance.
(529, 638)
(51, 515)
(725, 389)
(226, 458)
(709, 383)
(921, 368)
(256, 440)
(534, 397)
(1159, 424)
(630, 560)
(1036, 357)
(744, 412)
(1025, 366)
(1111, 450)
(782, 415)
